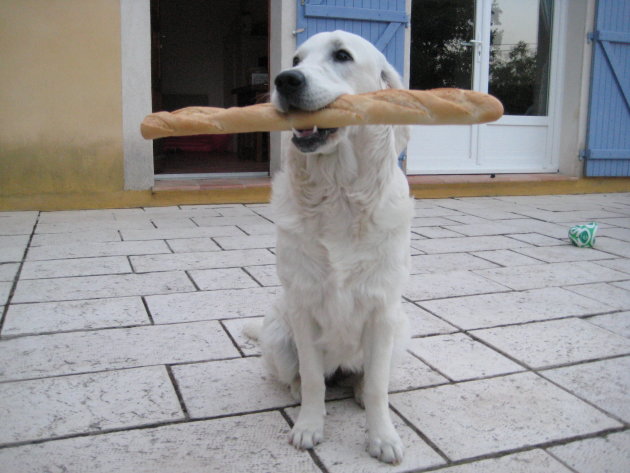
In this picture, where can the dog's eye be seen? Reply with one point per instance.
(342, 55)
(296, 61)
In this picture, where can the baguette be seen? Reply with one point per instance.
(389, 106)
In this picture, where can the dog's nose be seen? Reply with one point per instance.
(289, 81)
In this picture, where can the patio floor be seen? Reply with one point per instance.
(121, 346)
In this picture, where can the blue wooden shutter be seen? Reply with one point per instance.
(608, 137)
(381, 22)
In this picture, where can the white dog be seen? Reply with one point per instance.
(343, 214)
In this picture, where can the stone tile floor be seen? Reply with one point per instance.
(121, 346)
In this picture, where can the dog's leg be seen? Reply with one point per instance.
(383, 440)
(278, 348)
(308, 430)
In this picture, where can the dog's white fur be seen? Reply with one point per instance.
(343, 218)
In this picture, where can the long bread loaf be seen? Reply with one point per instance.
(390, 106)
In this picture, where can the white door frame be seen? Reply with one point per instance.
(475, 138)
(135, 36)
(135, 25)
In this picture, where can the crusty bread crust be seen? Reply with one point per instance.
(390, 106)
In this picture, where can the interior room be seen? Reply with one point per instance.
(216, 54)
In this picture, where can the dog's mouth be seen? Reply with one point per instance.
(309, 140)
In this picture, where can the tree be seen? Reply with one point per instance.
(513, 80)
(438, 29)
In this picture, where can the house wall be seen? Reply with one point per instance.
(282, 41)
(60, 100)
(571, 129)
(76, 78)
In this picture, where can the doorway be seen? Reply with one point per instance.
(210, 53)
(506, 48)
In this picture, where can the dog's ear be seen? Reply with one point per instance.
(390, 79)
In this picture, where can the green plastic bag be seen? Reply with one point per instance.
(583, 236)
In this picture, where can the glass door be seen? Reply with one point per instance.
(503, 47)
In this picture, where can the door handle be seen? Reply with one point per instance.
(472, 42)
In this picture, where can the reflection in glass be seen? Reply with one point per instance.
(440, 30)
(520, 41)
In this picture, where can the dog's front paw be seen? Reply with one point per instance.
(386, 446)
(306, 435)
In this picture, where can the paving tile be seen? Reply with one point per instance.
(615, 247)
(533, 461)
(173, 222)
(610, 454)
(89, 225)
(467, 244)
(17, 223)
(235, 211)
(555, 342)
(618, 322)
(99, 350)
(117, 248)
(245, 242)
(210, 305)
(424, 264)
(236, 328)
(426, 203)
(259, 229)
(233, 386)
(53, 407)
(202, 260)
(255, 443)
(75, 267)
(559, 254)
(496, 227)
(419, 222)
(12, 248)
(608, 294)
(74, 315)
(616, 233)
(435, 211)
(553, 203)
(173, 233)
(571, 216)
(605, 383)
(486, 209)
(454, 283)
(95, 287)
(537, 239)
(89, 216)
(460, 357)
(50, 239)
(494, 415)
(422, 323)
(618, 264)
(8, 271)
(344, 447)
(551, 274)
(264, 274)
(409, 372)
(435, 232)
(622, 284)
(468, 219)
(623, 222)
(549, 233)
(506, 257)
(5, 291)
(222, 278)
(172, 210)
(488, 310)
(192, 245)
(237, 220)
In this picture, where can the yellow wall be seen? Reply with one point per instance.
(60, 97)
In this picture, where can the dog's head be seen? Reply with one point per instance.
(326, 66)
